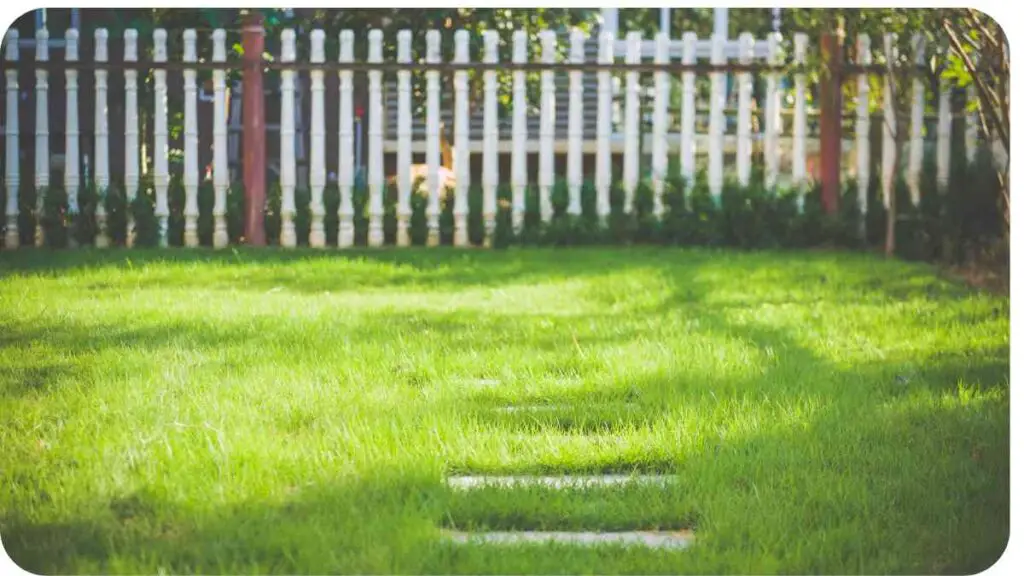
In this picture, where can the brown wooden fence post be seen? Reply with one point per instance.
(254, 132)
(830, 134)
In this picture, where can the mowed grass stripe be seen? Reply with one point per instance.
(660, 540)
(556, 482)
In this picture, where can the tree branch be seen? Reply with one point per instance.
(984, 88)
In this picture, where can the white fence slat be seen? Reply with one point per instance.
(42, 156)
(404, 176)
(687, 148)
(546, 162)
(161, 176)
(287, 133)
(574, 161)
(772, 114)
(863, 130)
(12, 150)
(716, 127)
(433, 140)
(659, 148)
(631, 156)
(72, 177)
(943, 137)
(318, 137)
(490, 160)
(744, 139)
(461, 152)
(889, 136)
(191, 178)
(131, 132)
(800, 120)
(346, 144)
(603, 168)
(220, 144)
(375, 159)
(916, 159)
(519, 175)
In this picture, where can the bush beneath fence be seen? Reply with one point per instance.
(954, 226)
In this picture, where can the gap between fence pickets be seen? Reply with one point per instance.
(470, 482)
(678, 539)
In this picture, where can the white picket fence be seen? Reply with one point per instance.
(687, 143)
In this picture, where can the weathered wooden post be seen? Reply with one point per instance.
(830, 136)
(254, 132)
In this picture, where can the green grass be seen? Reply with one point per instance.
(260, 411)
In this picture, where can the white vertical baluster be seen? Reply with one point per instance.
(42, 131)
(772, 114)
(888, 137)
(546, 162)
(161, 176)
(687, 146)
(288, 238)
(318, 135)
(631, 155)
(863, 129)
(716, 128)
(916, 159)
(131, 132)
(971, 124)
(519, 177)
(659, 148)
(404, 175)
(346, 144)
(433, 140)
(72, 179)
(191, 178)
(800, 120)
(101, 168)
(375, 159)
(220, 144)
(744, 139)
(945, 129)
(574, 164)
(461, 152)
(603, 176)
(490, 163)
(12, 154)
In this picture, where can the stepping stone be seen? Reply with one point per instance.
(558, 482)
(664, 540)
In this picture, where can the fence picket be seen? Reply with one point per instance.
(800, 120)
(945, 129)
(546, 162)
(603, 175)
(346, 144)
(191, 178)
(220, 144)
(916, 158)
(659, 148)
(461, 156)
(574, 161)
(889, 137)
(12, 178)
(863, 132)
(433, 140)
(490, 161)
(687, 146)
(131, 133)
(318, 136)
(772, 115)
(744, 139)
(631, 155)
(161, 176)
(716, 127)
(72, 179)
(287, 176)
(519, 177)
(42, 156)
(404, 160)
(375, 161)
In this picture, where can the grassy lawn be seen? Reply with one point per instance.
(259, 411)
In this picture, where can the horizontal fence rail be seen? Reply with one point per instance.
(546, 120)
